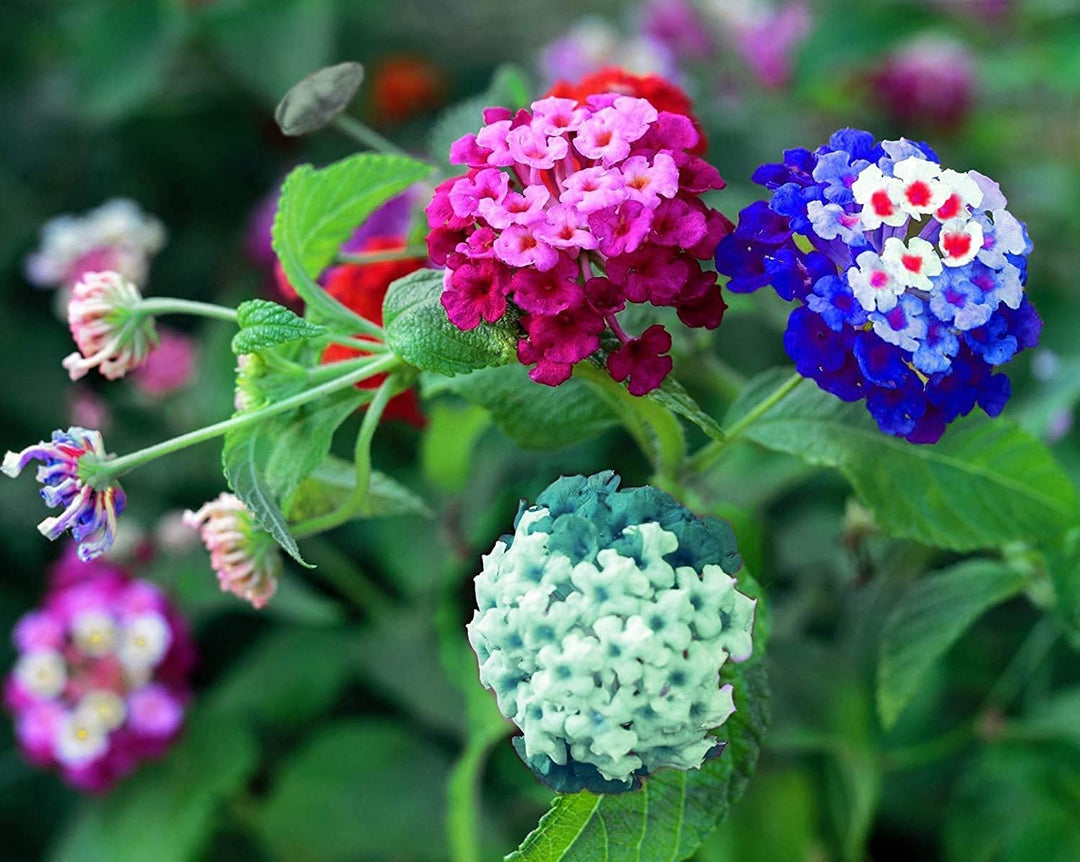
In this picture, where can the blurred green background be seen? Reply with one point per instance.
(326, 731)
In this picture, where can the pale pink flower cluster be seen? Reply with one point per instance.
(109, 332)
(245, 558)
(116, 236)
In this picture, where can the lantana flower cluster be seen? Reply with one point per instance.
(101, 679)
(89, 513)
(245, 557)
(117, 236)
(910, 278)
(568, 212)
(602, 626)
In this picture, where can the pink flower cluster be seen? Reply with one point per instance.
(570, 211)
(101, 679)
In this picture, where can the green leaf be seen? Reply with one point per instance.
(266, 463)
(449, 440)
(1016, 803)
(168, 810)
(319, 210)
(673, 812)
(509, 88)
(241, 462)
(1063, 567)
(358, 789)
(532, 415)
(675, 398)
(986, 483)
(266, 324)
(318, 98)
(929, 619)
(290, 676)
(334, 480)
(418, 330)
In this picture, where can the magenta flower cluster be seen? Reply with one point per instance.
(101, 678)
(570, 211)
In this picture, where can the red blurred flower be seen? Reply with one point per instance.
(404, 86)
(661, 93)
(362, 288)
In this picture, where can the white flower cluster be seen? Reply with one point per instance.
(115, 236)
(613, 662)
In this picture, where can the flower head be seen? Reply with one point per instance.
(116, 236)
(245, 558)
(169, 366)
(589, 184)
(89, 513)
(108, 329)
(910, 277)
(101, 678)
(929, 79)
(602, 626)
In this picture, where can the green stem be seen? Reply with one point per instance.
(463, 795)
(171, 305)
(366, 345)
(1032, 651)
(362, 458)
(332, 370)
(706, 455)
(410, 252)
(654, 429)
(946, 745)
(101, 473)
(364, 134)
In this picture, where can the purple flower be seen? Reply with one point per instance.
(89, 513)
(101, 679)
(927, 256)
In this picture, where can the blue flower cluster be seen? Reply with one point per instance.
(910, 278)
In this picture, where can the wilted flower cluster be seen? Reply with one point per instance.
(602, 626)
(89, 513)
(110, 334)
(116, 236)
(570, 211)
(246, 558)
(910, 277)
(101, 678)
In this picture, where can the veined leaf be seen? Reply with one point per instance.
(266, 324)
(265, 464)
(674, 810)
(985, 484)
(675, 398)
(532, 415)
(334, 481)
(931, 618)
(320, 208)
(242, 465)
(418, 330)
